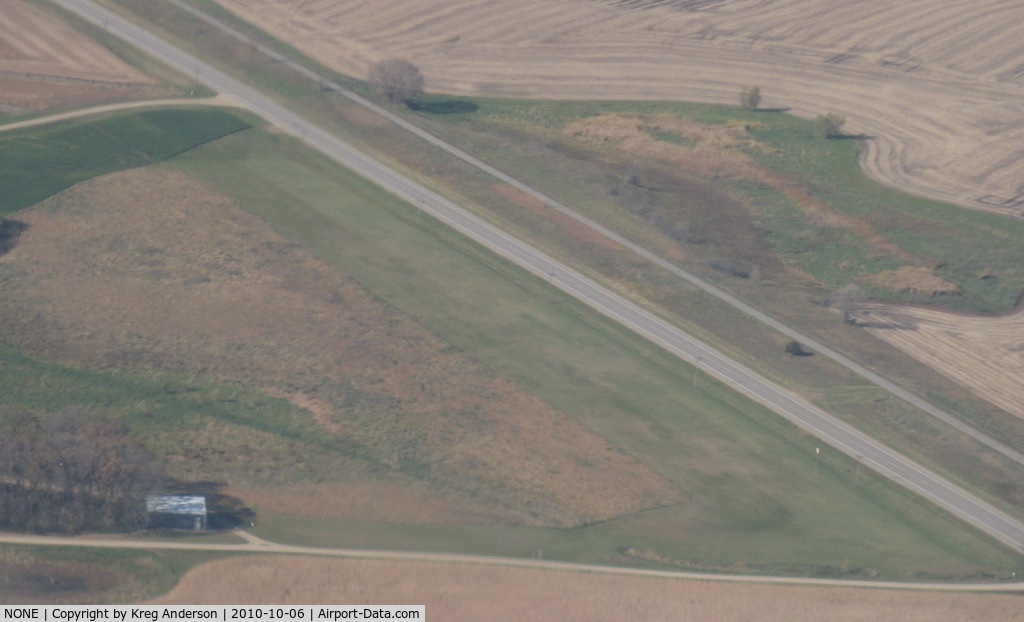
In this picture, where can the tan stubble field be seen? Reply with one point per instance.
(46, 63)
(455, 592)
(937, 85)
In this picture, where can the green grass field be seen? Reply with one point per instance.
(37, 163)
(756, 494)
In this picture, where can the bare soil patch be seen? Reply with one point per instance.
(149, 269)
(472, 592)
(986, 355)
(45, 63)
(935, 85)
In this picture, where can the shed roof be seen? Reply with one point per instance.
(176, 504)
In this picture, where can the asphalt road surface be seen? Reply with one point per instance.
(863, 448)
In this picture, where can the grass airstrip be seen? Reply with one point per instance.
(753, 490)
(755, 496)
(748, 200)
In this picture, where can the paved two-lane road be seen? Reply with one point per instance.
(805, 415)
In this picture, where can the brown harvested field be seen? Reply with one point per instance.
(455, 592)
(986, 355)
(935, 84)
(45, 63)
(149, 269)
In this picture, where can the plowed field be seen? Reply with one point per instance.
(469, 592)
(44, 63)
(986, 355)
(936, 85)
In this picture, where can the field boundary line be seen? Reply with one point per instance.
(219, 100)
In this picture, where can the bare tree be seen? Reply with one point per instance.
(73, 471)
(750, 97)
(848, 299)
(398, 80)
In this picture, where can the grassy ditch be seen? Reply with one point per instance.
(39, 162)
(754, 493)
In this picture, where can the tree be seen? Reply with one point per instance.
(829, 125)
(794, 348)
(847, 299)
(750, 97)
(398, 80)
(74, 470)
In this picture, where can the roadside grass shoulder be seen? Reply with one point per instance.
(732, 457)
(39, 162)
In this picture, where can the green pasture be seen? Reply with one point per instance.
(756, 494)
(36, 163)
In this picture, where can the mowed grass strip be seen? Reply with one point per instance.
(756, 496)
(39, 162)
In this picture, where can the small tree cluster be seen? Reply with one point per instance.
(398, 80)
(74, 470)
(750, 97)
(829, 125)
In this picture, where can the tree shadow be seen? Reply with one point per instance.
(445, 106)
(780, 109)
(223, 512)
(853, 137)
(10, 231)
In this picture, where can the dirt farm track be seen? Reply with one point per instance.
(937, 85)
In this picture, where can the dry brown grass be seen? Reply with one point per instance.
(935, 83)
(150, 269)
(912, 280)
(986, 355)
(472, 592)
(717, 152)
(45, 63)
